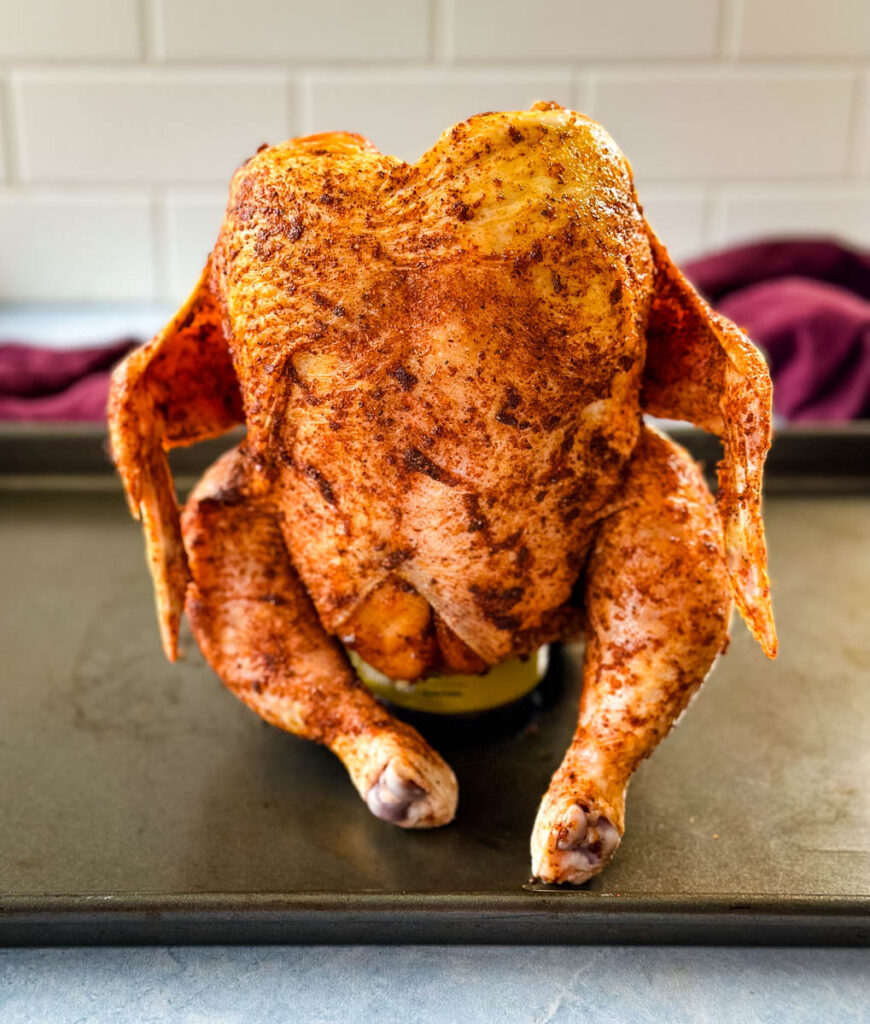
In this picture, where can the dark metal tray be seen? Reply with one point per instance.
(141, 803)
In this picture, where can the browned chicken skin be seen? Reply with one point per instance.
(443, 368)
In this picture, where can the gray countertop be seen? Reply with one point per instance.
(395, 985)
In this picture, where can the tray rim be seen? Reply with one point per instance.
(572, 917)
(542, 914)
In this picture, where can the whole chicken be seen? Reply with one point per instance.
(443, 369)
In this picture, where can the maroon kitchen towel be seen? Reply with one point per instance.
(807, 304)
(57, 384)
(817, 259)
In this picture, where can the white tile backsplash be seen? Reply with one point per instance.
(720, 126)
(4, 128)
(583, 29)
(66, 29)
(678, 215)
(193, 220)
(861, 142)
(806, 28)
(404, 112)
(121, 121)
(787, 212)
(330, 30)
(75, 246)
(142, 126)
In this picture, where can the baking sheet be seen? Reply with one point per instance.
(141, 802)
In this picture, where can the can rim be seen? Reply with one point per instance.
(458, 694)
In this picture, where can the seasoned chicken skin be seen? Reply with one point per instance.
(442, 368)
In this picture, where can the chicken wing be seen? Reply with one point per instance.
(177, 389)
(702, 368)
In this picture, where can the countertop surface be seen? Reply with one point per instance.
(429, 985)
(387, 984)
(69, 325)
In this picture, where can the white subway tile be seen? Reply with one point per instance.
(404, 112)
(69, 29)
(4, 129)
(678, 215)
(784, 212)
(584, 29)
(810, 28)
(146, 126)
(193, 221)
(583, 93)
(721, 124)
(75, 247)
(294, 29)
(862, 128)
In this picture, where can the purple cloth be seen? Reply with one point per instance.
(806, 303)
(57, 384)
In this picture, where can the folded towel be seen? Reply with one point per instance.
(807, 304)
(57, 384)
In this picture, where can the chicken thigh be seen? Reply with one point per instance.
(443, 369)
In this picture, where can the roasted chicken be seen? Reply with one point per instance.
(443, 369)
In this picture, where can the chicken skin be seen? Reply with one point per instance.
(443, 369)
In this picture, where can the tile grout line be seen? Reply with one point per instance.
(858, 142)
(442, 21)
(796, 67)
(730, 23)
(713, 228)
(160, 243)
(7, 137)
(142, 29)
(585, 87)
(293, 120)
(305, 103)
(149, 27)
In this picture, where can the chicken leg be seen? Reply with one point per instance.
(657, 606)
(259, 631)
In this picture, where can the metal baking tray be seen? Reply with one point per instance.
(142, 803)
